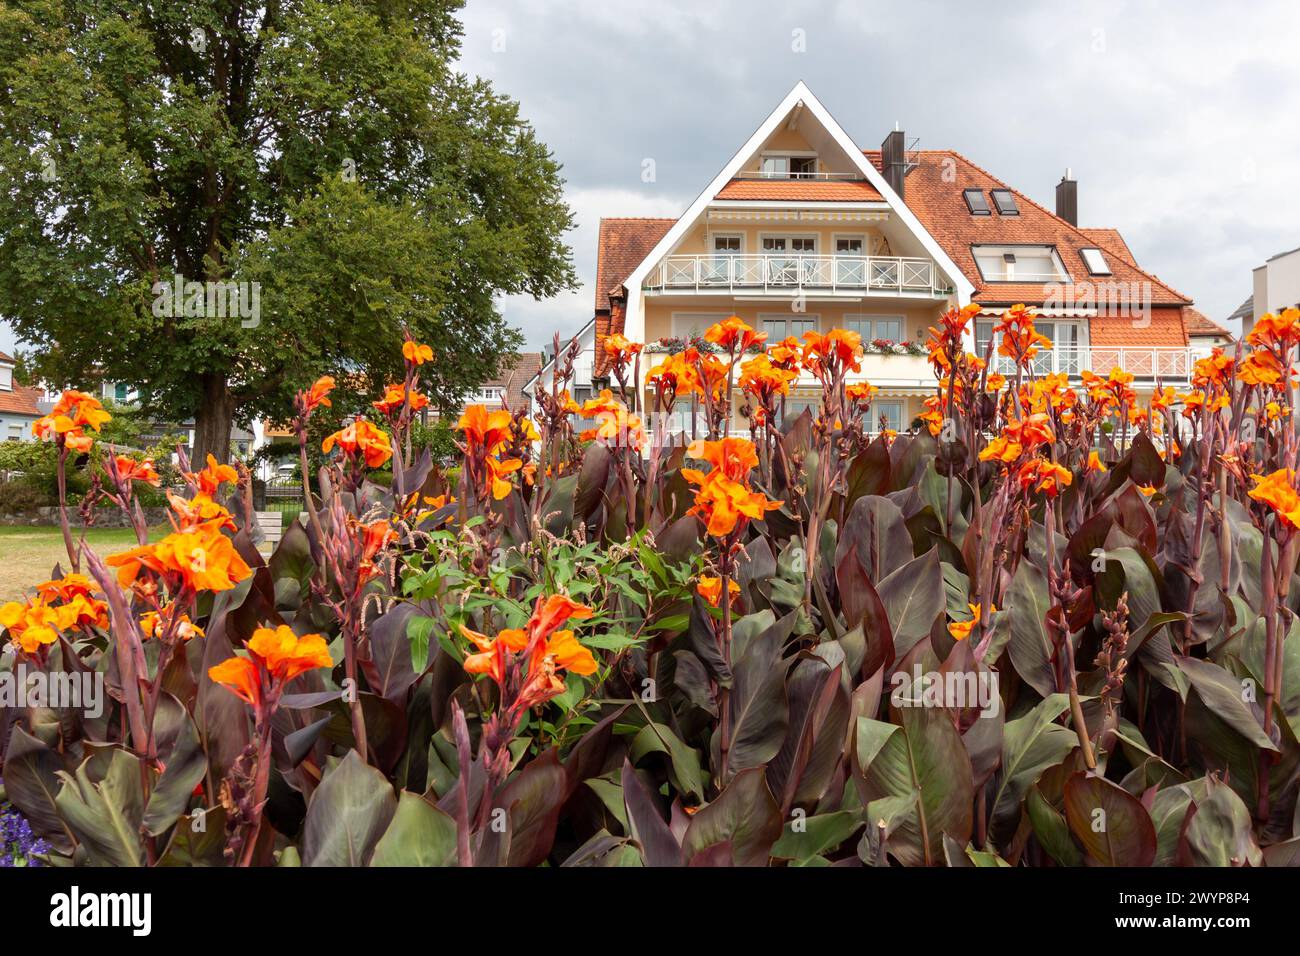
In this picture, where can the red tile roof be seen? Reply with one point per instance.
(933, 191)
(5, 357)
(20, 401)
(1198, 323)
(1163, 328)
(517, 371)
(801, 190)
(622, 245)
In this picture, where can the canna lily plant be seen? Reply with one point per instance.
(679, 624)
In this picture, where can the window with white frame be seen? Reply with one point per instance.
(1019, 263)
(787, 166)
(886, 413)
(16, 432)
(796, 405)
(781, 327)
(887, 328)
(6, 378)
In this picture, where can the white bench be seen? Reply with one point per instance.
(269, 523)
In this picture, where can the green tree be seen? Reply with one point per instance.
(326, 155)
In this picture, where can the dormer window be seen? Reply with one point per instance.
(976, 202)
(788, 166)
(1095, 261)
(1019, 264)
(6, 378)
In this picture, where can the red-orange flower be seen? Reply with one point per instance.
(1277, 490)
(318, 394)
(128, 469)
(838, 349)
(211, 478)
(201, 559)
(734, 334)
(276, 656)
(361, 439)
(711, 590)
(396, 396)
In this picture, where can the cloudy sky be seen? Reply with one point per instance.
(1177, 118)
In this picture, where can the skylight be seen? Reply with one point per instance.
(1005, 202)
(1095, 261)
(1020, 263)
(976, 203)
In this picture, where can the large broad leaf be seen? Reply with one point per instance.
(913, 597)
(876, 532)
(347, 815)
(105, 815)
(1217, 830)
(1030, 745)
(1031, 645)
(1168, 810)
(757, 704)
(31, 777)
(803, 767)
(1109, 822)
(534, 797)
(683, 760)
(391, 650)
(185, 762)
(744, 821)
(645, 825)
(806, 837)
(1223, 695)
(926, 757)
(1051, 829)
(419, 835)
(868, 473)
(591, 481)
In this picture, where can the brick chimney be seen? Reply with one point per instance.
(1067, 199)
(893, 157)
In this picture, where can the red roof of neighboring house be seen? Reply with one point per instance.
(623, 244)
(522, 368)
(801, 190)
(21, 401)
(933, 191)
(6, 357)
(1199, 324)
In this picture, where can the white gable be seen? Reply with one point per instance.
(822, 132)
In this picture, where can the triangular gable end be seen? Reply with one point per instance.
(799, 96)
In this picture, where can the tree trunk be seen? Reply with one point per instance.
(213, 421)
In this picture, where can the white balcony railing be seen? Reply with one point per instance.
(1171, 364)
(870, 274)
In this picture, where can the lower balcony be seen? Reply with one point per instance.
(1166, 364)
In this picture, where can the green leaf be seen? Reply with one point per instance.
(186, 764)
(1030, 745)
(419, 835)
(347, 814)
(684, 761)
(1031, 645)
(106, 815)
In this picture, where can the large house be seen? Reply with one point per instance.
(1275, 286)
(802, 230)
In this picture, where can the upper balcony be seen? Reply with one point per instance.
(841, 275)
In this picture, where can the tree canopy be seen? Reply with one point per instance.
(324, 158)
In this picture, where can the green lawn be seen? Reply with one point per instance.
(28, 554)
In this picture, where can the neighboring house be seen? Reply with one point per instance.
(18, 404)
(1275, 286)
(802, 231)
(511, 385)
(1203, 334)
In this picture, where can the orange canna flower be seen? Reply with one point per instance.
(211, 478)
(960, 630)
(1279, 331)
(861, 391)
(1277, 490)
(396, 397)
(733, 334)
(838, 349)
(1044, 476)
(415, 353)
(711, 590)
(723, 504)
(484, 429)
(276, 656)
(1095, 463)
(497, 471)
(128, 469)
(759, 377)
(361, 439)
(731, 457)
(154, 624)
(200, 559)
(318, 394)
